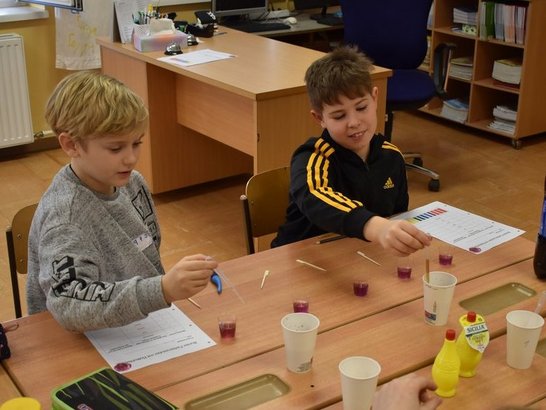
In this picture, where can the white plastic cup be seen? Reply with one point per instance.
(438, 293)
(523, 329)
(300, 336)
(359, 375)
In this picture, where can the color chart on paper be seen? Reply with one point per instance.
(460, 228)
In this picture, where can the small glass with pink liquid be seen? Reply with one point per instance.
(404, 268)
(227, 325)
(300, 305)
(360, 288)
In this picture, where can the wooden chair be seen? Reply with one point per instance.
(264, 204)
(17, 241)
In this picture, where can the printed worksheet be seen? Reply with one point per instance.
(460, 228)
(163, 335)
(196, 57)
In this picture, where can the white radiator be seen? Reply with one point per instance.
(15, 118)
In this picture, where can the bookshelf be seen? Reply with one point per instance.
(481, 92)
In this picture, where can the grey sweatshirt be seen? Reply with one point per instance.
(94, 259)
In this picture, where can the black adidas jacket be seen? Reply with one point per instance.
(333, 190)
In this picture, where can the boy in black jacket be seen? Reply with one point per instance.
(349, 179)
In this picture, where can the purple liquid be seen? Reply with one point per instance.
(301, 306)
(227, 330)
(360, 288)
(404, 272)
(445, 260)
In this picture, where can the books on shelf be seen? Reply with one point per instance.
(505, 126)
(465, 20)
(426, 60)
(487, 20)
(507, 70)
(465, 15)
(455, 110)
(503, 21)
(461, 68)
(505, 112)
(504, 119)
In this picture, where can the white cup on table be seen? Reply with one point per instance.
(359, 375)
(437, 295)
(300, 336)
(523, 329)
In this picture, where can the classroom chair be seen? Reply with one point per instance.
(264, 204)
(17, 241)
(393, 33)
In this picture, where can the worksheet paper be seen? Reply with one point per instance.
(460, 228)
(163, 335)
(196, 57)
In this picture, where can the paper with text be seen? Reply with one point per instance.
(196, 57)
(460, 228)
(163, 335)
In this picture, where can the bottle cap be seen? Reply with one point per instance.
(450, 334)
(471, 316)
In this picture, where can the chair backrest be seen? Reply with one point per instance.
(264, 203)
(393, 33)
(17, 243)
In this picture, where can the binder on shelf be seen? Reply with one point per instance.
(487, 20)
(499, 21)
(509, 23)
(521, 14)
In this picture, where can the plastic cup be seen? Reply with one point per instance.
(523, 329)
(360, 288)
(300, 336)
(438, 293)
(227, 324)
(300, 306)
(404, 268)
(445, 255)
(359, 376)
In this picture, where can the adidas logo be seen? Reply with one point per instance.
(388, 184)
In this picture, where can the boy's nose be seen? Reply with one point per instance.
(131, 157)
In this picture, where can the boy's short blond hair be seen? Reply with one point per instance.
(88, 104)
(345, 71)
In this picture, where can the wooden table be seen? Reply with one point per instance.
(242, 115)
(397, 338)
(45, 356)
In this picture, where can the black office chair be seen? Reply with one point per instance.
(393, 33)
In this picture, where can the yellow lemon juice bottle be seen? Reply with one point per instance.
(445, 370)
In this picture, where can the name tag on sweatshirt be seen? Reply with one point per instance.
(143, 241)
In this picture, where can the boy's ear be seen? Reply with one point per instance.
(68, 144)
(317, 116)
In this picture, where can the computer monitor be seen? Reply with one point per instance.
(316, 4)
(226, 8)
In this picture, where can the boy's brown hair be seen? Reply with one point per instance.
(88, 104)
(344, 71)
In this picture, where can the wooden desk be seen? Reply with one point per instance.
(397, 338)
(8, 390)
(515, 387)
(43, 353)
(242, 115)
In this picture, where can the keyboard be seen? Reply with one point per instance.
(257, 26)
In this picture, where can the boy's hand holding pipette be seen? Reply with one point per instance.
(187, 277)
(397, 236)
